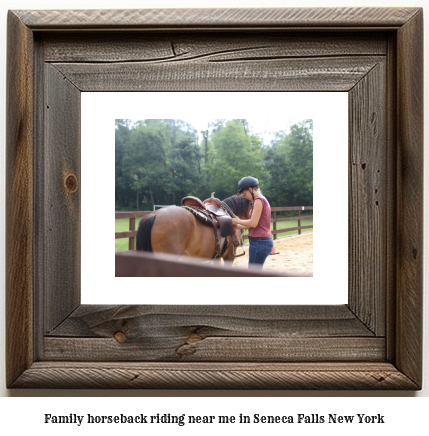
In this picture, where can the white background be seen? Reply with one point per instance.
(405, 414)
(99, 286)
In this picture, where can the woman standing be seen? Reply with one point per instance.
(259, 223)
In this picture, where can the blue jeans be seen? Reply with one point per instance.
(259, 250)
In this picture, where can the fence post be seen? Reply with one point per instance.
(132, 238)
(299, 221)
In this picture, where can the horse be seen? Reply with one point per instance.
(175, 230)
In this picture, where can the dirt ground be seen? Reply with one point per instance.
(295, 254)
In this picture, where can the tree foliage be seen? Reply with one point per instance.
(290, 164)
(161, 161)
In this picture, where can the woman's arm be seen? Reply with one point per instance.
(252, 222)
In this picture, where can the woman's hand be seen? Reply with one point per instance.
(236, 222)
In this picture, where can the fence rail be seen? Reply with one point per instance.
(140, 264)
(132, 232)
(298, 218)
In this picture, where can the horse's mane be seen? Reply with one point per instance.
(238, 204)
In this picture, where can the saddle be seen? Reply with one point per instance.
(216, 214)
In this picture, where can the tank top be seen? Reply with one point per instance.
(263, 229)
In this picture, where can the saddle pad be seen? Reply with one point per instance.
(200, 215)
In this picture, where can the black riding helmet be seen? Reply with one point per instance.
(247, 182)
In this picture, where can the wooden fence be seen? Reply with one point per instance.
(132, 232)
(298, 218)
(143, 264)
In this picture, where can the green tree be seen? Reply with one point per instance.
(144, 161)
(234, 152)
(301, 163)
(183, 160)
(290, 163)
(161, 161)
(123, 192)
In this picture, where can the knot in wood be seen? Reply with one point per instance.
(70, 183)
(120, 337)
(193, 338)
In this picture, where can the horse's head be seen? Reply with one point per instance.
(239, 205)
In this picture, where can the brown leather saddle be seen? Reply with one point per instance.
(218, 216)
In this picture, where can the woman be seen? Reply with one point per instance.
(259, 224)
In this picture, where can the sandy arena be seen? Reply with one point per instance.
(295, 254)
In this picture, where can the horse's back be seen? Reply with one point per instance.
(177, 231)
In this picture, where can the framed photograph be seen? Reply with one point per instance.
(374, 341)
(269, 116)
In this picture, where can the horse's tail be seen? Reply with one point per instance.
(143, 233)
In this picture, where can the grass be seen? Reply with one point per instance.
(122, 225)
(291, 224)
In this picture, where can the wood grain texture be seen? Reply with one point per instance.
(324, 74)
(374, 343)
(99, 321)
(208, 18)
(250, 376)
(214, 333)
(228, 63)
(179, 47)
(61, 207)
(391, 185)
(410, 210)
(215, 349)
(19, 200)
(368, 203)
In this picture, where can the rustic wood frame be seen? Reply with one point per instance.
(374, 342)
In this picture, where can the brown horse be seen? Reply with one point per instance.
(175, 230)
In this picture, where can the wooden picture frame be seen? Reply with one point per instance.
(373, 342)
